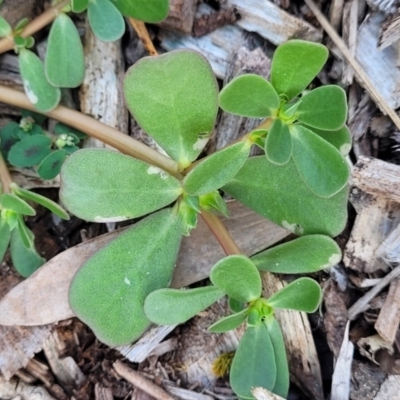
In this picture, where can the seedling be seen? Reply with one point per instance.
(27, 145)
(64, 65)
(301, 184)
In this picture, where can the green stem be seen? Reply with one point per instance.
(5, 176)
(38, 23)
(124, 143)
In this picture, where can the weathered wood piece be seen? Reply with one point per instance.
(272, 23)
(264, 394)
(210, 22)
(17, 390)
(24, 304)
(9, 71)
(349, 33)
(102, 393)
(342, 374)
(388, 320)
(386, 6)
(229, 126)
(101, 91)
(376, 198)
(335, 13)
(379, 65)
(181, 16)
(185, 394)
(389, 389)
(390, 32)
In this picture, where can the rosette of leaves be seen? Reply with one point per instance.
(27, 145)
(15, 234)
(304, 128)
(260, 359)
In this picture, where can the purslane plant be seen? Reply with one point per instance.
(300, 184)
(42, 81)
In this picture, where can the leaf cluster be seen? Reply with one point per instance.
(26, 144)
(64, 64)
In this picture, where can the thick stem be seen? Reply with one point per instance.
(125, 144)
(144, 36)
(221, 233)
(5, 176)
(38, 23)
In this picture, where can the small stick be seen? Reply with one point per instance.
(139, 381)
(5, 177)
(38, 23)
(362, 304)
(368, 85)
(144, 36)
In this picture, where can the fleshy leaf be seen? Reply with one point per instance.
(324, 108)
(14, 203)
(175, 306)
(5, 236)
(38, 118)
(280, 195)
(39, 199)
(30, 151)
(8, 137)
(50, 167)
(26, 261)
(173, 97)
(281, 386)
(61, 128)
(109, 291)
(237, 276)
(278, 146)
(25, 234)
(145, 10)
(40, 92)
(217, 169)
(230, 322)
(105, 20)
(249, 95)
(102, 185)
(300, 256)
(64, 62)
(295, 64)
(341, 138)
(235, 305)
(79, 6)
(5, 27)
(303, 294)
(254, 362)
(321, 166)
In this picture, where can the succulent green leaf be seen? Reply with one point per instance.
(21, 24)
(323, 108)
(11, 217)
(14, 203)
(61, 128)
(303, 294)
(40, 92)
(5, 27)
(30, 42)
(79, 6)
(39, 199)
(235, 305)
(341, 138)
(214, 203)
(254, 363)
(249, 95)
(281, 386)
(280, 194)
(50, 167)
(217, 169)
(105, 20)
(295, 64)
(321, 166)
(30, 151)
(25, 234)
(173, 97)
(175, 306)
(230, 322)
(187, 216)
(237, 276)
(8, 138)
(64, 62)
(145, 10)
(25, 260)
(109, 291)
(5, 236)
(278, 146)
(102, 185)
(303, 255)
